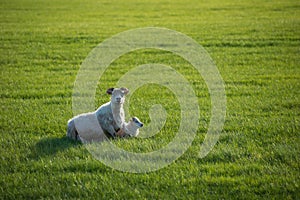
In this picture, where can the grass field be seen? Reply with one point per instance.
(255, 45)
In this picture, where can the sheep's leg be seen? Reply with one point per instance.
(121, 133)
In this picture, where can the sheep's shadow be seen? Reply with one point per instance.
(52, 145)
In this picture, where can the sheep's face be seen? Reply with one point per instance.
(117, 95)
(136, 122)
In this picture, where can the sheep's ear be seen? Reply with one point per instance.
(110, 90)
(125, 90)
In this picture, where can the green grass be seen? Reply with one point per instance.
(255, 45)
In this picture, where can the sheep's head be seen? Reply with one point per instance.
(117, 94)
(136, 122)
(132, 128)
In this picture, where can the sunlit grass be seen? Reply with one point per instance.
(255, 45)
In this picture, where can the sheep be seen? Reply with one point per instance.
(89, 131)
(131, 128)
(108, 118)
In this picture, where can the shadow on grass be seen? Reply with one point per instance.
(72, 152)
(52, 145)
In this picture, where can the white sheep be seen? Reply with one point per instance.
(108, 118)
(131, 128)
(90, 135)
(89, 130)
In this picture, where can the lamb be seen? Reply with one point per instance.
(108, 118)
(131, 128)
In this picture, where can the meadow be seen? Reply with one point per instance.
(255, 45)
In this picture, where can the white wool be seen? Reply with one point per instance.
(88, 128)
(118, 114)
